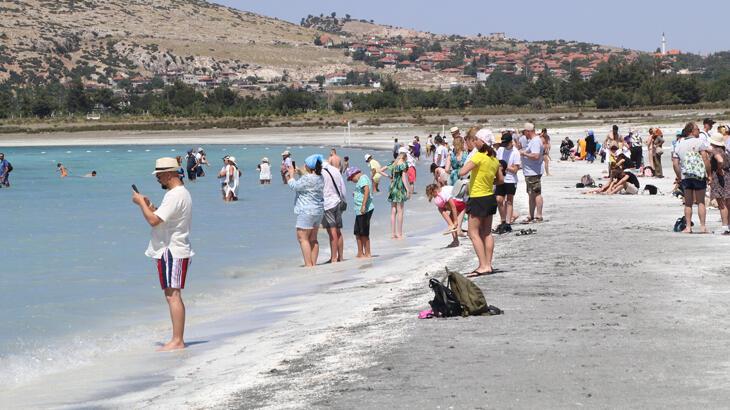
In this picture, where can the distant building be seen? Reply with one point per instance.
(335, 79)
(497, 36)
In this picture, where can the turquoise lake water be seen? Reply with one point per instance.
(72, 266)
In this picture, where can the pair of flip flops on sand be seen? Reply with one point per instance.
(525, 232)
(476, 274)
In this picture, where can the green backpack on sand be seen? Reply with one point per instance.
(472, 298)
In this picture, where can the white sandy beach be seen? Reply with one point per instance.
(602, 310)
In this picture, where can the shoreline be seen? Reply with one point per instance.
(212, 339)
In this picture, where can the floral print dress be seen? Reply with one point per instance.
(397, 193)
(456, 165)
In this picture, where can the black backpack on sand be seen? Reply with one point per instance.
(681, 224)
(461, 297)
(444, 303)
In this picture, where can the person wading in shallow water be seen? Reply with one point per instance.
(170, 243)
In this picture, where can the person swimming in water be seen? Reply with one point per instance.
(91, 174)
(60, 168)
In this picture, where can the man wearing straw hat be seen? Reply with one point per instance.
(170, 243)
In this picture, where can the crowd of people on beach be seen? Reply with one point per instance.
(474, 177)
(700, 156)
(474, 173)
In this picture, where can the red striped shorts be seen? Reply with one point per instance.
(172, 271)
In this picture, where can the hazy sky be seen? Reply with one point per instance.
(629, 23)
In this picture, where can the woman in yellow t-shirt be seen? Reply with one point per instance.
(482, 205)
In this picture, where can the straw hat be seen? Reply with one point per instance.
(717, 140)
(166, 165)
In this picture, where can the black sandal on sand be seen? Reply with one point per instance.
(525, 232)
(476, 274)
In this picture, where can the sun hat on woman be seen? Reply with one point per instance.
(717, 140)
(486, 136)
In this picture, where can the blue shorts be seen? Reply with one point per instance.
(305, 221)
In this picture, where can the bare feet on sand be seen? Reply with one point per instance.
(170, 346)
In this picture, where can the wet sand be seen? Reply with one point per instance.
(605, 307)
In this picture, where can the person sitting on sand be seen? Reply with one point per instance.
(624, 182)
(308, 206)
(170, 243)
(482, 205)
(364, 207)
(264, 169)
(450, 208)
(62, 170)
(692, 167)
(398, 193)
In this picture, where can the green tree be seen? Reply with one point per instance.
(76, 99)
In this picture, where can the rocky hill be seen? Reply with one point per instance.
(102, 38)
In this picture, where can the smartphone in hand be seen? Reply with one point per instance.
(134, 188)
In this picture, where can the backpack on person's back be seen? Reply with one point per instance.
(10, 167)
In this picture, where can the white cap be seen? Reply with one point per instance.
(486, 136)
(529, 126)
(368, 156)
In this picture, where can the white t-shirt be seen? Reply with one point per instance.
(444, 153)
(532, 167)
(265, 173)
(511, 157)
(331, 198)
(176, 212)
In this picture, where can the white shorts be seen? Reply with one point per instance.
(305, 221)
